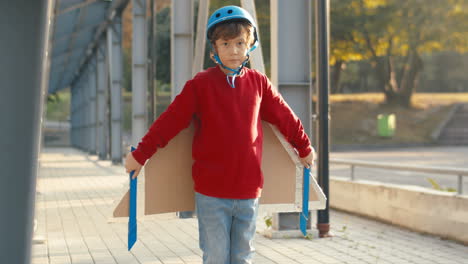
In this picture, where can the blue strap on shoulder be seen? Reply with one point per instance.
(132, 221)
(305, 202)
(233, 72)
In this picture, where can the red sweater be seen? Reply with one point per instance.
(227, 145)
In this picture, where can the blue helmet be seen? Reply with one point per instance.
(229, 13)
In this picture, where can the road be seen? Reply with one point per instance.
(450, 157)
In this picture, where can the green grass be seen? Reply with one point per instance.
(354, 118)
(58, 106)
(418, 99)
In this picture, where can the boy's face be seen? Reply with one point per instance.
(232, 52)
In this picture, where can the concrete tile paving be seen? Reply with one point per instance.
(77, 193)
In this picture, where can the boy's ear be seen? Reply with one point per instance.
(212, 56)
(214, 48)
(251, 40)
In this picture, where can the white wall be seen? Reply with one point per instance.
(433, 212)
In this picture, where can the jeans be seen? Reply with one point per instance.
(226, 229)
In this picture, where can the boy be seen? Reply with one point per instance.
(226, 104)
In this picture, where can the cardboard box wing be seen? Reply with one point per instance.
(169, 184)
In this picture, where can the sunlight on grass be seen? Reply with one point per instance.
(419, 99)
(58, 107)
(354, 117)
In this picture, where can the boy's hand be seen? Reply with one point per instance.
(132, 165)
(308, 161)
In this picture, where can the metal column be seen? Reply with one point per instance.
(92, 106)
(84, 107)
(152, 62)
(200, 42)
(87, 91)
(101, 103)
(256, 60)
(139, 71)
(181, 44)
(88, 108)
(291, 55)
(322, 30)
(84, 110)
(77, 111)
(114, 47)
(291, 66)
(73, 125)
(23, 81)
(80, 113)
(181, 51)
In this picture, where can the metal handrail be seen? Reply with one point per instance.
(460, 172)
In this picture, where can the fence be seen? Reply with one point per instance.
(459, 172)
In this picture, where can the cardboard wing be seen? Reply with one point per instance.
(169, 184)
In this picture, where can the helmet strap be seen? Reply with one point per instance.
(233, 72)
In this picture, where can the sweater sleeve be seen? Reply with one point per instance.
(276, 111)
(178, 116)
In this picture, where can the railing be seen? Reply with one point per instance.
(460, 172)
(56, 125)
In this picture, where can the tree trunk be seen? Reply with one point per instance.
(399, 93)
(386, 79)
(410, 77)
(362, 77)
(335, 78)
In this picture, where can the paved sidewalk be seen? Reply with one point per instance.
(77, 194)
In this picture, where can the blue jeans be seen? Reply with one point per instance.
(226, 229)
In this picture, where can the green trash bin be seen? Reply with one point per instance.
(386, 125)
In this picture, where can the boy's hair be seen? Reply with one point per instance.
(231, 29)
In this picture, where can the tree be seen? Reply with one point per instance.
(393, 34)
(342, 45)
